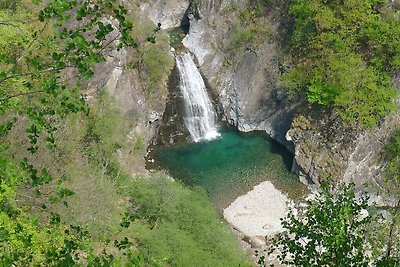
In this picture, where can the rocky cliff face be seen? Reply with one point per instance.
(246, 81)
(245, 78)
(127, 89)
(326, 150)
(167, 12)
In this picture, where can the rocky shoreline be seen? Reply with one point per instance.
(257, 214)
(255, 218)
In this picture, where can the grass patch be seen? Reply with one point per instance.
(153, 60)
(250, 28)
(176, 36)
(176, 226)
(157, 64)
(139, 144)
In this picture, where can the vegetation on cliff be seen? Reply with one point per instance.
(65, 197)
(249, 27)
(344, 52)
(392, 158)
(392, 189)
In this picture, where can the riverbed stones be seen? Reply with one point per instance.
(258, 212)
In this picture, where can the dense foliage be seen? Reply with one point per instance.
(176, 226)
(344, 53)
(332, 232)
(32, 58)
(249, 28)
(66, 199)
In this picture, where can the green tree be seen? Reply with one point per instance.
(331, 232)
(36, 50)
(25, 242)
(344, 52)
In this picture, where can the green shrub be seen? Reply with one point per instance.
(250, 27)
(157, 64)
(178, 226)
(392, 157)
(241, 37)
(176, 36)
(343, 52)
(171, 224)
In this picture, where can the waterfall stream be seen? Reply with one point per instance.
(200, 116)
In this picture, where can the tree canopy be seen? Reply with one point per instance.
(36, 48)
(332, 231)
(344, 52)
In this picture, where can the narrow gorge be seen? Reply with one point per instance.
(246, 88)
(200, 133)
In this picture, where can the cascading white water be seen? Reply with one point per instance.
(200, 117)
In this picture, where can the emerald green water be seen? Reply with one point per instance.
(231, 165)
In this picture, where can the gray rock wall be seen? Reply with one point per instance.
(246, 81)
(325, 150)
(167, 12)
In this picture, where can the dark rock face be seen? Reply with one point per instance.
(171, 128)
(322, 147)
(251, 98)
(327, 150)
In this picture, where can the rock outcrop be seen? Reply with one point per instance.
(322, 147)
(127, 90)
(247, 84)
(167, 12)
(245, 79)
(326, 150)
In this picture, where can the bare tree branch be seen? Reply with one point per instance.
(21, 94)
(51, 69)
(7, 23)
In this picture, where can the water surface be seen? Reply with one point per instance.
(231, 165)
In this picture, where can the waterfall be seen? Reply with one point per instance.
(200, 117)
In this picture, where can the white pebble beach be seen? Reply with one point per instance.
(258, 213)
